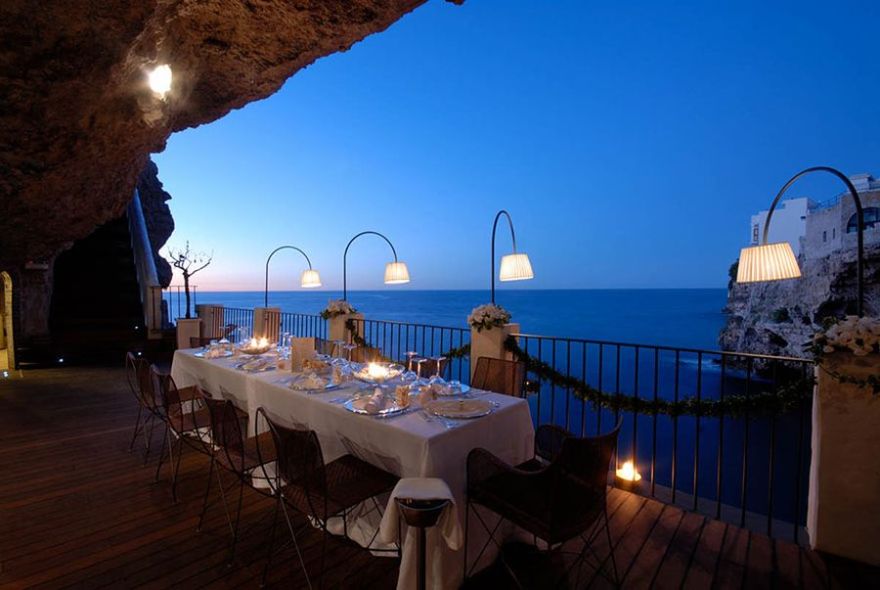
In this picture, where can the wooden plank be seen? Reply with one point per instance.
(760, 572)
(730, 572)
(673, 570)
(701, 573)
(642, 572)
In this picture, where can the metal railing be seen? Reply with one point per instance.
(746, 469)
(175, 302)
(395, 339)
(238, 318)
(303, 325)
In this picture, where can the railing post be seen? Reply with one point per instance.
(842, 516)
(337, 329)
(267, 323)
(490, 343)
(211, 315)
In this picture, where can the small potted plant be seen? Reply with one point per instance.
(189, 263)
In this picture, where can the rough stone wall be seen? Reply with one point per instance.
(780, 317)
(157, 216)
(78, 120)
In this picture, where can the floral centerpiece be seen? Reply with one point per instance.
(853, 335)
(336, 308)
(488, 316)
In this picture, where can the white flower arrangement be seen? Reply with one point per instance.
(336, 308)
(859, 336)
(853, 335)
(488, 316)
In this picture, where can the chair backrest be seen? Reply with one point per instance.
(299, 465)
(226, 430)
(581, 471)
(328, 347)
(366, 354)
(429, 367)
(166, 392)
(500, 376)
(133, 370)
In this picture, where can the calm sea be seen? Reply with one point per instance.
(673, 317)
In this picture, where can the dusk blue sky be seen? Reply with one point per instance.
(630, 142)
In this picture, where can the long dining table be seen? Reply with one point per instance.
(408, 445)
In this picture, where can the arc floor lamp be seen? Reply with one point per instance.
(396, 272)
(774, 262)
(308, 280)
(515, 266)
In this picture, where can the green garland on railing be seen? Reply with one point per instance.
(453, 353)
(784, 399)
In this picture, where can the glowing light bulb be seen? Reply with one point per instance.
(160, 80)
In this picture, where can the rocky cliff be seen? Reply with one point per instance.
(78, 119)
(779, 317)
(157, 215)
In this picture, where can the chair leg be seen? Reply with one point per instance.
(295, 544)
(207, 494)
(162, 453)
(176, 469)
(271, 544)
(237, 519)
(137, 429)
(148, 436)
(467, 510)
(611, 550)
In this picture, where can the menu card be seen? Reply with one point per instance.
(300, 350)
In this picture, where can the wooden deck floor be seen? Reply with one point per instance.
(77, 510)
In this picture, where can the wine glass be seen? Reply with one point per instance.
(438, 363)
(348, 348)
(410, 375)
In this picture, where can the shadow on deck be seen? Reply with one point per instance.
(76, 509)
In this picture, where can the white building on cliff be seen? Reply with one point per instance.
(816, 229)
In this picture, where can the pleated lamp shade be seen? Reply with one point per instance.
(768, 262)
(515, 267)
(396, 273)
(310, 279)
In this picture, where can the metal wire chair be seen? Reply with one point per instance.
(184, 417)
(557, 501)
(499, 375)
(234, 453)
(318, 490)
(137, 372)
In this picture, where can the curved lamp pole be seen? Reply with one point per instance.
(313, 279)
(395, 272)
(766, 272)
(514, 267)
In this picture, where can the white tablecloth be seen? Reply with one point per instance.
(407, 445)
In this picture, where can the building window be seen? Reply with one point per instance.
(833, 233)
(824, 236)
(755, 233)
(871, 219)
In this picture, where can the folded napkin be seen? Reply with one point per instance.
(447, 532)
(308, 381)
(376, 402)
(423, 488)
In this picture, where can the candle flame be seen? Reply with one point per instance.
(628, 472)
(377, 371)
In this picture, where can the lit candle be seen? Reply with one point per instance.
(377, 371)
(627, 477)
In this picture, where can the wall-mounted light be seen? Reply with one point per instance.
(159, 79)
